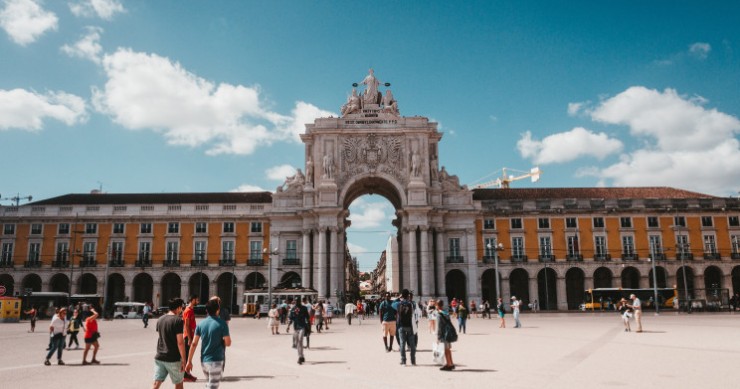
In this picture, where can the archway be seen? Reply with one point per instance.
(456, 285)
(518, 285)
(116, 289)
(290, 279)
(59, 283)
(226, 289)
(255, 280)
(574, 287)
(198, 286)
(661, 275)
(689, 274)
(488, 286)
(547, 289)
(31, 282)
(630, 278)
(7, 281)
(88, 284)
(602, 278)
(712, 278)
(736, 279)
(143, 288)
(171, 286)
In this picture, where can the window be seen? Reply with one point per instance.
(34, 252)
(200, 251)
(543, 223)
(517, 247)
(291, 249)
(255, 250)
(706, 221)
(145, 250)
(145, 228)
(173, 228)
(656, 247)
(63, 229)
(256, 227)
(172, 248)
(62, 252)
(734, 239)
(228, 227)
(710, 247)
(454, 246)
(118, 228)
(679, 221)
(7, 253)
(36, 229)
(734, 221)
(625, 222)
(488, 224)
(682, 244)
(628, 245)
(571, 222)
(201, 228)
(573, 248)
(116, 252)
(228, 250)
(9, 229)
(653, 222)
(600, 246)
(88, 252)
(545, 246)
(516, 224)
(91, 228)
(598, 222)
(489, 247)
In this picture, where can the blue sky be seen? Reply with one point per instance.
(208, 96)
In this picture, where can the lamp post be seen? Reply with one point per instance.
(105, 281)
(683, 247)
(269, 273)
(655, 278)
(496, 249)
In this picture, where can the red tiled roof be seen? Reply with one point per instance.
(659, 192)
(157, 198)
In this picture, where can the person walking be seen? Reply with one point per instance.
(215, 336)
(91, 337)
(74, 328)
(432, 316)
(501, 312)
(299, 317)
(57, 333)
(515, 306)
(487, 308)
(637, 309)
(387, 321)
(32, 315)
(170, 357)
(443, 323)
(462, 317)
(318, 316)
(625, 313)
(405, 325)
(473, 310)
(328, 314)
(360, 311)
(189, 324)
(145, 314)
(349, 311)
(273, 319)
(307, 332)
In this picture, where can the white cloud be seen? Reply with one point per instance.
(574, 108)
(700, 50)
(104, 9)
(356, 250)
(248, 188)
(88, 47)
(149, 92)
(27, 110)
(25, 20)
(303, 113)
(567, 146)
(370, 214)
(279, 173)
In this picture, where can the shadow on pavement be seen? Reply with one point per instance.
(245, 378)
(324, 362)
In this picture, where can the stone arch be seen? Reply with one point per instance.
(31, 281)
(88, 284)
(379, 183)
(712, 278)
(116, 289)
(689, 282)
(736, 279)
(8, 282)
(456, 285)
(488, 285)
(255, 280)
(290, 279)
(603, 278)
(518, 285)
(547, 288)
(59, 283)
(198, 286)
(630, 278)
(143, 287)
(171, 287)
(226, 290)
(661, 275)
(574, 287)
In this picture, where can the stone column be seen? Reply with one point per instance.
(505, 290)
(336, 268)
(184, 292)
(534, 290)
(561, 294)
(440, 276)
(239, 299)
(426, 266)
(321, 278)
(588, 282)
(156, 293)
(472, 262)
(306, 259)
(413, 280)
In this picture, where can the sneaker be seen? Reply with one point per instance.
(190, 378)
(95, 362)
(446, 368)
(47, 363)
(85, 363)
(301, 360)
(60, 362)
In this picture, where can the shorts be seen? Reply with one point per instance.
(389, 328)
(162, 369)
(90, 340)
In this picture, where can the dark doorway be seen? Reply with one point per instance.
(661, 275)
(546, 287)
(574, 287)
(32, 282)
(290, 279)
(689, 282)
(712, 278)
(736, 279)
(254, 281)
(488, 286)
(116, 290)
(143, 288)
(88, 284)
(59, 283)
(198, 286)
(456, 286)
(226, 289)
(630, 278)
(171, 287)
(602, 278)
(519, 286)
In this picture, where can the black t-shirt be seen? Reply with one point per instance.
(168, 327)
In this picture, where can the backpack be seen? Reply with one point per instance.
(405, 314)
(448, 330)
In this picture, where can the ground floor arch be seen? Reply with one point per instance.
(116, 290)
(198, 286)
(736, 279)
(574, 287)
(88, 284)
(31, 282)
(143, 288)
(518, 285)
(226, 290)
(686, 286)
(488, 282)
(547, 289)
(8, 282)
(661, 276)
(456, 285)
(603, 278)
(712, 278)
(290, 279)
(171, 284)
(59, 283)
(255, 280)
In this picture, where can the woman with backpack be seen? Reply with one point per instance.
(445, 329)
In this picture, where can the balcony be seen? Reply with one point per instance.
(602, 257)
(87, 262)
(226, 262)
(546, 258)
(116, 263)
(574, 258)
(171, 263)
(712, 256)
(658, 257)
(630, 257)
(455, 259)
(255, 262)
(199, 263)
(32, 264)
(489, 259)
(684, 256)
(6, 263)
(291, 261)
(735, 255)
(519, 258)
(143, 263)
(60, 263)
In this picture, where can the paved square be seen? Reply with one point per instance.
(574, 350)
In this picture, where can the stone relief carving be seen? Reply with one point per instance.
(370, 99)
(370, 154)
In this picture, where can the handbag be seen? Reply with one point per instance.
(438, 353)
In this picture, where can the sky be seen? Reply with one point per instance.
(211, 96)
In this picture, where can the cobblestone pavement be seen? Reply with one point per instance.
(575, 350)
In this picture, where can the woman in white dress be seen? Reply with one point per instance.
(273, 319)
(432, 316)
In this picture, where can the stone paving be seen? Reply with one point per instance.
(552, 350)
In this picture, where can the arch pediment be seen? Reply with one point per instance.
(379, 184)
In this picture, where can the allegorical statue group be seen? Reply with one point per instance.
(371, 96)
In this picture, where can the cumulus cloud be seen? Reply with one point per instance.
(567, 146)
(27, 110)
(278, 173)
(104, 9)
(25, 20)
(574, 108)
(370, 214)
(700, 50)
(355, 249)
(88, 47)
(150, 92)
(248, 188)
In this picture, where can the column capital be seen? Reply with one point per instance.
(307, 231)
(424, 228)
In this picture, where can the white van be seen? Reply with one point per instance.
(128, 310)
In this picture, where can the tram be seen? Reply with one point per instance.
(254, 298)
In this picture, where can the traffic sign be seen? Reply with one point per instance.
(2, 290)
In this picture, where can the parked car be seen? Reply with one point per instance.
(124, 310)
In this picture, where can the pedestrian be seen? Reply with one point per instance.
(318, 315)
(170, 358)
(444, 323)
(145, 314)
(637, 309)
(387, 321)
(515, 306)
(273, 320)
(453, 306)
(625, 313)
(405, 324)
(299, 317)
(91, 337)
(462, 317)
(283, 311)
(307, 332)
(349, 311)
(33, 314)
(487, 308)
(432, 316)
(57, 333)
(214, 333)
(328, 314)
(290, 306)
(360, 311)
(189, 324)
(74, 328)
(501, 312)
(473, 309)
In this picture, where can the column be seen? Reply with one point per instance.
(472, 262)
(321, 278)
(306, 259)
(426, 266)
(560, 291)
(588, 282)
(413, 280)
(184, 292)
(505, 290)
(336, 268)
(534, 289)
(156, 292)
(440, 276)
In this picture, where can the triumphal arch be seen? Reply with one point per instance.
(372, 149)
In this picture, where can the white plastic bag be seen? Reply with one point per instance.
(438, 351)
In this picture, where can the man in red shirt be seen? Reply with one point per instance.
(188, 317)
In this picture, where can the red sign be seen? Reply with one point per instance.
(2, 290)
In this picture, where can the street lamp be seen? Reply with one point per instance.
(269, 274)
(655, 277)
(683, 248)
(496, 249)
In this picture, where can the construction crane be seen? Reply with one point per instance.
(505, 180)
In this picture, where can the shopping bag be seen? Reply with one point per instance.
(438, 350)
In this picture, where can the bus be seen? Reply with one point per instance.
(258, 297)
(607, 298)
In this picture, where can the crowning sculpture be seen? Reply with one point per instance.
(371, 98)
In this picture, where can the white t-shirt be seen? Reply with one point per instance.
(349, 309)
(59, 325)
(636, 303)
(515, 306)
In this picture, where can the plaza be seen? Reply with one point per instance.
(552, 350)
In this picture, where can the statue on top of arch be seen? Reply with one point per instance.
(371, 96)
